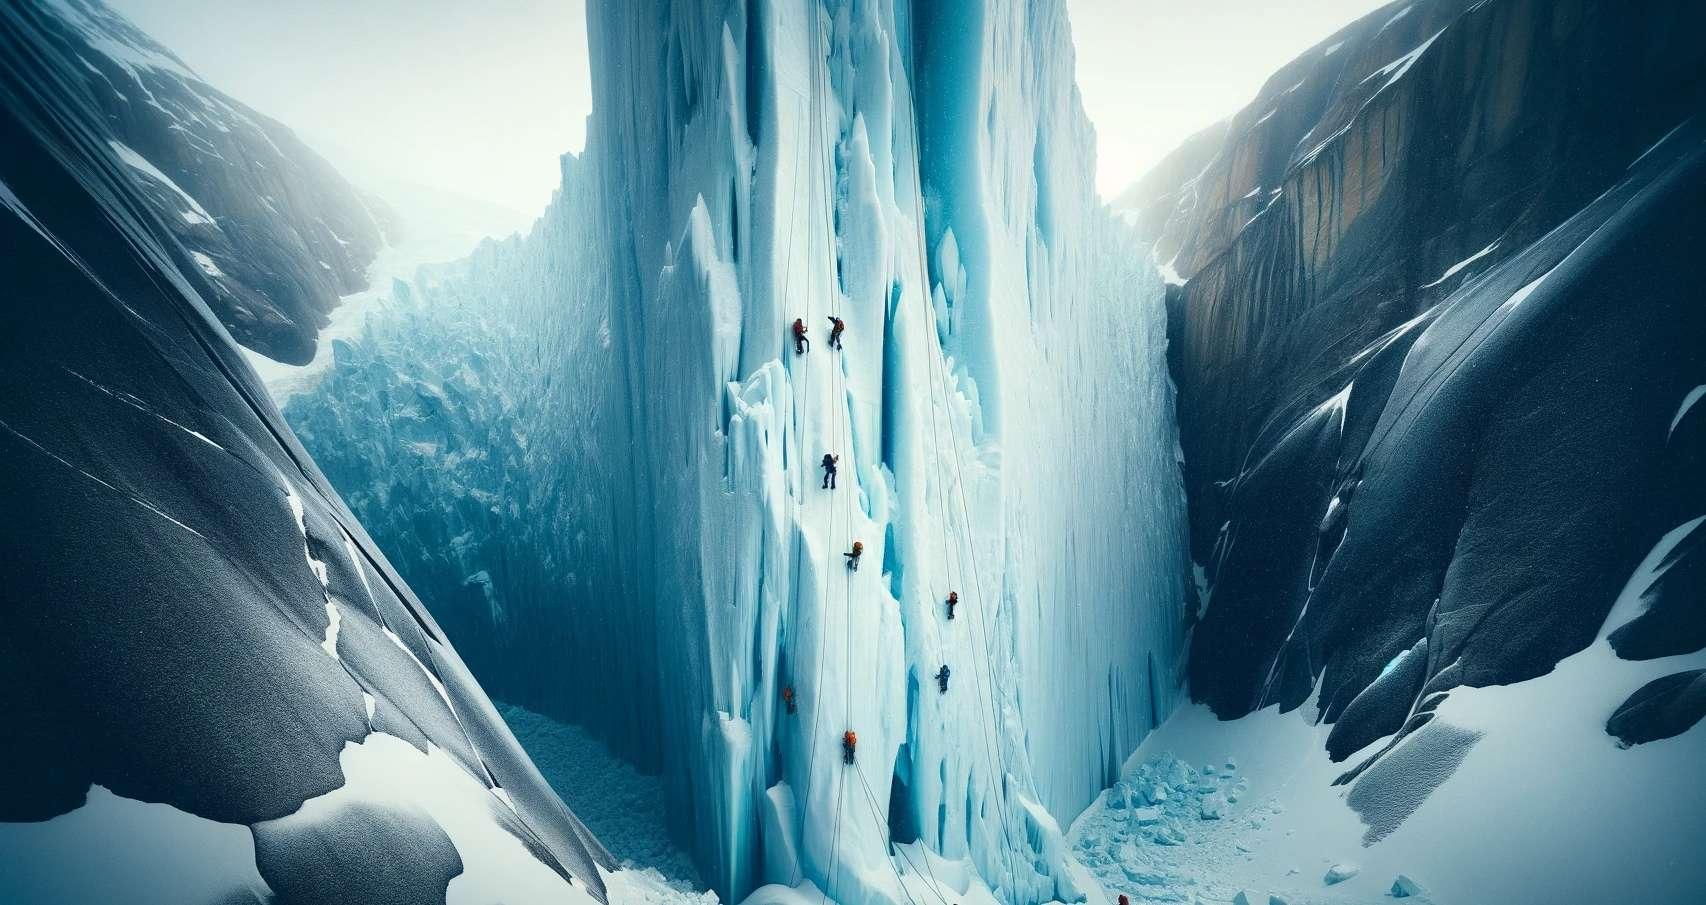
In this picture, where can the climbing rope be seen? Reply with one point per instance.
(888, 843)
(938, 376)
(840, 436)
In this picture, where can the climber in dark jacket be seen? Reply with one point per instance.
(801, 344)
(829, 471)
(836, 325)
(953, 601)
(849, 742)
(942, 678)
(853, 557)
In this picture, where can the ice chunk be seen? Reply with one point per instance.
(1340, 872)
(781, 844)
(1213, 806)
(1404, 887)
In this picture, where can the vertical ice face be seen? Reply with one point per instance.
(1000, 410)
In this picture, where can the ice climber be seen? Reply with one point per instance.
(1124, 900)
(788, 697)
(836, 325)
(849, 741)
(829, 471)
(953, 601)
(853, 557)
(801, 344)
(942, 678)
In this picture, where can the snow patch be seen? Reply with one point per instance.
(1455, 268)
(207, 264)
(386, 771)
(1688, 402)
(1396, 69)
(194, 213)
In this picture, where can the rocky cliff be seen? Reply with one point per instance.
(1437, 357)
(214, 686)
(275, 229)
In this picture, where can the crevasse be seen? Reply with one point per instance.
(658, 558)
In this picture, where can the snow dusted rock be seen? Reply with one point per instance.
(1213, 806)
(1435, 306)
(1242, 898)
(203, 655)
(1148, 816)
(1403, 887)
(271, 233)
(1158, 793)
(1340, 872)
(1277, 899)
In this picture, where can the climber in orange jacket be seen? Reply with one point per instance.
(849, 741)
(853, 557)
(788, 697)
(953, 601)
(801, 344)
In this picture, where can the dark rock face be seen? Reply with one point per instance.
(1434, 353)
(192, 616)
(279, 234)
(1660, 709)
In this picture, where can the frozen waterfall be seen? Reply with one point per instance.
(1001, 410)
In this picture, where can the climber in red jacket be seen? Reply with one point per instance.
(788, 697)
(849, 741)
(801, 344)
(953, 601)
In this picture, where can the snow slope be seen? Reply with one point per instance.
(1542, 806)
(929, 180)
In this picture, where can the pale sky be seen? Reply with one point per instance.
(480, 98)
(1154, 71)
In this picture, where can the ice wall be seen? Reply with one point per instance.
(1001, 411)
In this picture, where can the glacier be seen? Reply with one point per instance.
(605, 473)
